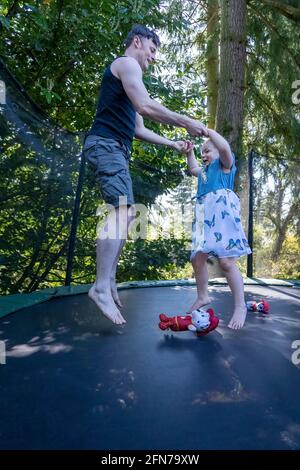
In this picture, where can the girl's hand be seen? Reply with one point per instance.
(183, 146)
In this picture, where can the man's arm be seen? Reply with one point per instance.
(130, 74)
(142, 133)
(223, 148)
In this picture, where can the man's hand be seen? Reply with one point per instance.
(182, 146)
(196, 128)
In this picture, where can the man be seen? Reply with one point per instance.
(123, 103)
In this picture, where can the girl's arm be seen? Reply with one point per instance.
(223, 148)
(193, 166)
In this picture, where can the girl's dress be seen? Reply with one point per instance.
(217, 228)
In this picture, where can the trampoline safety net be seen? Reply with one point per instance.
(40, 166)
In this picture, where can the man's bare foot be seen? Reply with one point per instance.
(238, 318)
(199, 302)
(105, 303)
(115, 295)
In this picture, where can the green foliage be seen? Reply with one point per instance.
(285, 266)
(272, 120)
(152, 259)
(58, 50)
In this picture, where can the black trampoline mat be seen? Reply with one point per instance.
(74, 380)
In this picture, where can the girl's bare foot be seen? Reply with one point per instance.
(238, 318)
(199, 302)
(105, 303)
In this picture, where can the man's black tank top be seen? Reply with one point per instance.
(115, 115)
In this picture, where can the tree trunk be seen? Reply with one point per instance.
(230, 107)
(212, 60)
(282, 228)
(278, 243)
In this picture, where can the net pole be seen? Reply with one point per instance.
(74, 225)
(250, 217)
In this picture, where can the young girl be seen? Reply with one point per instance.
(217, 229)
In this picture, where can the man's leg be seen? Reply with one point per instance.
(109, 247)
(113, 285)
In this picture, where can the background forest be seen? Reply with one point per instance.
(234, 64)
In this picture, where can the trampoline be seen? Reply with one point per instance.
(73, 380)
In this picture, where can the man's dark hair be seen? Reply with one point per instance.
(142, 32)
